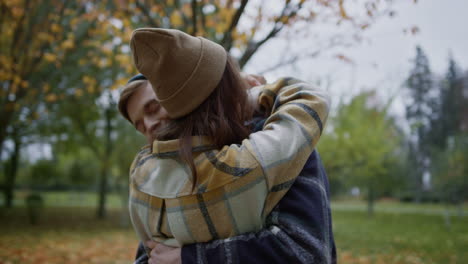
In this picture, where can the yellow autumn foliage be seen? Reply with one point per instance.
(42, 36)
(50, 57)
(56, 28)
(123, 59)
(17, 80)
(78, 92)
(155, 9)
(220, 27)
(90, 89)
(103, 63)
(119, 83)
(67, 44)
(17, 12)
(242, 38)
(5, 75)
(74, 22)
(24, 84)
(88, 80)
(187, 9)
(46, 87)
(176, 19)
(51, 98)
(13, 88)
(226, 14)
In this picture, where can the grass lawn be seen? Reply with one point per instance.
(65, 235)
(399, 238)
(397, 233)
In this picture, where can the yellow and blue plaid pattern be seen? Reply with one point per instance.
(238, 185)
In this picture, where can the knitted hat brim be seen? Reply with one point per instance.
(183, 70)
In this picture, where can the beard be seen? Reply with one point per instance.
(166, 130)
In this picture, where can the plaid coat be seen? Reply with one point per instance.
(238, 185)
(298, 230)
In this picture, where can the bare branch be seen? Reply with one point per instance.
(291, 60)
(203, 19)
(18, 30)
(152, 22)
(301, 56)
(226, 42)
(194, 17)
(80, 124)
(4, 10)
(252, 47)
(36, 61)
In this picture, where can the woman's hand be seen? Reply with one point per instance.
(253, 80)
(162, 254)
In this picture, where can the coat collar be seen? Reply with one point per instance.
(170, 148)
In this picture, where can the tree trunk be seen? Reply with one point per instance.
(123, 193)
(447, 222)
(10, 172)
(101, 212)
(4, 121)
(419, 182)
(370, 201)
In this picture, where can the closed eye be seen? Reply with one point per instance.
(151, 107)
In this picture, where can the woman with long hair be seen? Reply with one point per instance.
(204, 175)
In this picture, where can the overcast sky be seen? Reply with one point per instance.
(384, 59)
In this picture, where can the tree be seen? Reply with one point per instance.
(447, 114)
(36, 38)
(52, 51)
(39, 43)
(242, 27)
(450, 170)
(362, 146)
(451, 138)
(419, 110)
(88, 122)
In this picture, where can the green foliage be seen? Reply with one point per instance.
(450, 170)
(448, 137)
(362, 146)
(447, 117)
(128, 143)
(419, 113)
(43, 172)
(79, 167)
(420, 87)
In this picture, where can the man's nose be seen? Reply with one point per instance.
(148, 122)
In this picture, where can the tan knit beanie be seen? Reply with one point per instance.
(182, 69)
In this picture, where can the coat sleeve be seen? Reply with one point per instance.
(298, 112)
(141, 257)
(298, 230)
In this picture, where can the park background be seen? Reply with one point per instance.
(395, 146)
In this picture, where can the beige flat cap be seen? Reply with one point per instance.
(182, 69)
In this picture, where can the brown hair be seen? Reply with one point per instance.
(222, 117)
(127, 92)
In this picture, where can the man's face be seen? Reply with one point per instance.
(145, 113)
